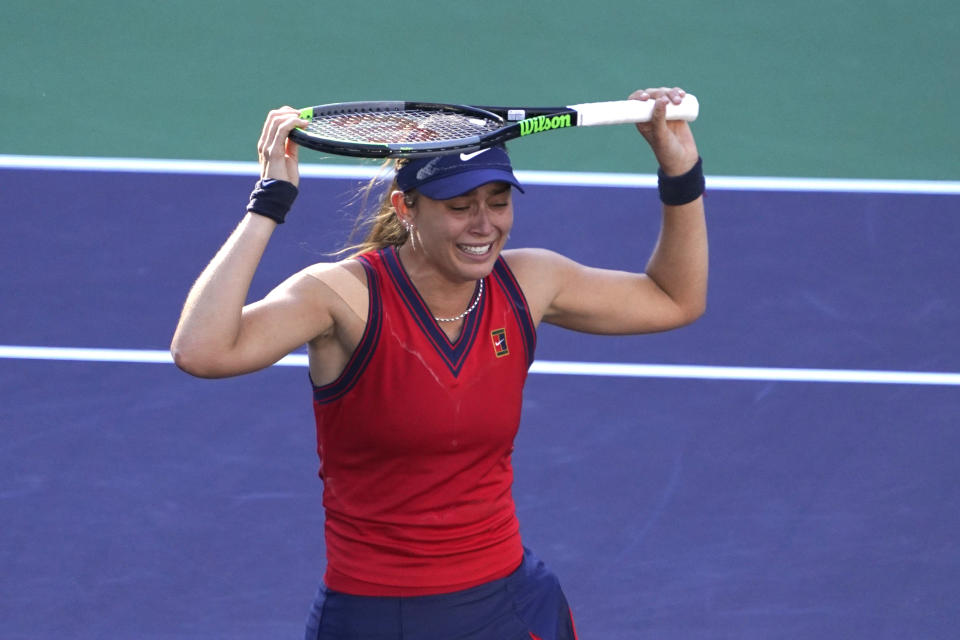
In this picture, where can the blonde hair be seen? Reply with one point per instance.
(381, 225)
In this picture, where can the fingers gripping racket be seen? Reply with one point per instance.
(411, 129)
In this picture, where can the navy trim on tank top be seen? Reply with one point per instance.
(361, 356)
(454, 354)
(518, 303)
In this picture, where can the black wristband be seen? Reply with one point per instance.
(682, 189)
(272, 198)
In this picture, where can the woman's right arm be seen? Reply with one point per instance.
(218, 335)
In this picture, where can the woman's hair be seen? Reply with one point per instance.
(381, 225)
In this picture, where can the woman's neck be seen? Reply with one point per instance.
(445, 296)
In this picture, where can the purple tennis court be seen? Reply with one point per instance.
(785, 467)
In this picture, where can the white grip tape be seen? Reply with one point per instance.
(628, 111)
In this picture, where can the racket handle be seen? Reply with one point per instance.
(632, 111)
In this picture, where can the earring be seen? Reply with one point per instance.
(410, 232)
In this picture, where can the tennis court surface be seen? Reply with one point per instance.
(784, 468)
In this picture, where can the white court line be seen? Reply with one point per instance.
(141, 165)
(563, 178)
(608, 369)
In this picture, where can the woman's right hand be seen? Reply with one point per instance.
(277, 153)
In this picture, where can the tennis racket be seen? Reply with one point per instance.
(416, 129)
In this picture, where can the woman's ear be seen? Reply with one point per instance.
(397, 200)
(401, 204)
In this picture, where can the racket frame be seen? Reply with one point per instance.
(515, 122)
(398, 149)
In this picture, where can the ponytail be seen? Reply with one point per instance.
(382, 226)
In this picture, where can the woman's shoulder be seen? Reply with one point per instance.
(349, 272)
(539, 272)
(534, 261)
(347, 279)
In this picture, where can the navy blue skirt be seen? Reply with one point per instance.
(526, 605)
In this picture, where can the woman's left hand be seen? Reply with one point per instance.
(671, 140)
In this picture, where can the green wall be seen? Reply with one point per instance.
(823, 89)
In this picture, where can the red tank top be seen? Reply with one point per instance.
(415, 439)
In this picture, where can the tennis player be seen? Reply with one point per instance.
(419, 346)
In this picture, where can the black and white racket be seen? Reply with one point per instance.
(411, 129)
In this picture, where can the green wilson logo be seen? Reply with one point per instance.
(544, 123)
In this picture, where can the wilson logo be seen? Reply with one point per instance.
(544, 123)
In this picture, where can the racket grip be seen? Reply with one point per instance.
(632, 111)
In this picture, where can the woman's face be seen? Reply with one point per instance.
(463, 236)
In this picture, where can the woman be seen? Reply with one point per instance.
(409, 341)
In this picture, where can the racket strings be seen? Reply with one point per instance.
(399, 126)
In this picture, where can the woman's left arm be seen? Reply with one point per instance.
(669, 293)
